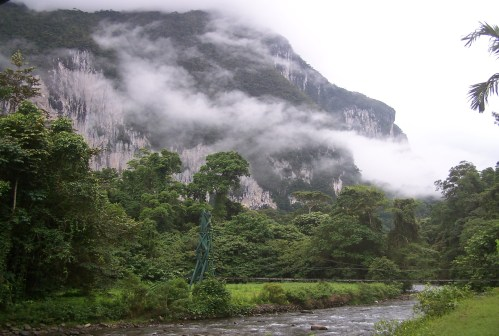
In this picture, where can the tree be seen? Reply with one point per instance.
(307, 223)
(241, 245)
(405, 229)
(363, 202)
(480, 262)
(470, 198)
(383, 269)
(312, 199)
(55, 223)
(479, 93)
(18, 85)
(343, 246)
(220, 174)
(24, 144)
(148, 177)
(345, 243)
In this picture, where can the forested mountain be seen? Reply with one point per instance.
(195, 83)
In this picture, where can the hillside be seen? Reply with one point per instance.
(196, 83)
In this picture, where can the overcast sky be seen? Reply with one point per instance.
(408, 54)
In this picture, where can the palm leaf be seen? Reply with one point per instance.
(479, 93)
(485, 30)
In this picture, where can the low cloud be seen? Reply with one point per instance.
(155, 83)
(164, 96)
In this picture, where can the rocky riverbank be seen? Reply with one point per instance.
(90, 329)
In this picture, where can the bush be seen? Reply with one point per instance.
(133, 295)
(436, 301)
(402, 328)
(272, 293)
(371, 292)
(64, 309)
(168, 299)
(211, 299)
(383, 269)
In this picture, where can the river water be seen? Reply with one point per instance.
(348, 320)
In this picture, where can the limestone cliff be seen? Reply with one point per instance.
(196, 83)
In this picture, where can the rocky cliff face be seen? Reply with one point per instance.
(355, 111)
(74, 88)
(196, 84)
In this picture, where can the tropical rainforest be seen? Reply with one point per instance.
(65, 228)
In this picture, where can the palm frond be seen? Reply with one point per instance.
(485, 30)
(479, 93)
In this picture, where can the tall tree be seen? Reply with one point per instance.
(363, 202)
(221, 173)
(346, 242)
(469, 196)
(405, 229)
(312, 199)
(19, 84)
(148, 177)
(479, 93)
(54, 221)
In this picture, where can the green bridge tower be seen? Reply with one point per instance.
(203, 263)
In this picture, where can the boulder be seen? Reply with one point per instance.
(318, 327)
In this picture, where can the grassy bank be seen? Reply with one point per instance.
(311, 295)
(141, 302)
(474, 316)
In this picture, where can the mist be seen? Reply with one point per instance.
(165, 97)
(252, 125)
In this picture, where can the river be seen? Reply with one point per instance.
(348, 320)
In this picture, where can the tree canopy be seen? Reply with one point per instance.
(19, 84)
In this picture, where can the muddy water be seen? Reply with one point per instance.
(352, 320)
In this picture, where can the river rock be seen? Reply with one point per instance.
(318, 327)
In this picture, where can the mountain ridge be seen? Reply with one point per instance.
(196, 82)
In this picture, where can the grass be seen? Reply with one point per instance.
(103, 306)
(249, 293)
(473, 317)
(476, 316)
(60, 308)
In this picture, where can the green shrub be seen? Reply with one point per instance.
(298, 296)
(64, 309)
(211, 299)
(371, 292)
(416, 327)
(386, 328)
(383, 269)
(272, 293)
(322, 290)
(168, 298)
(436, 301)
(133, 295)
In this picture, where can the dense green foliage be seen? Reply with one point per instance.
(53, 217)
(139, 300)
(17, 85)
(67, 229)
(464, 224)
(63, 226)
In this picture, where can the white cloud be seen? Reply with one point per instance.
(407, 54)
